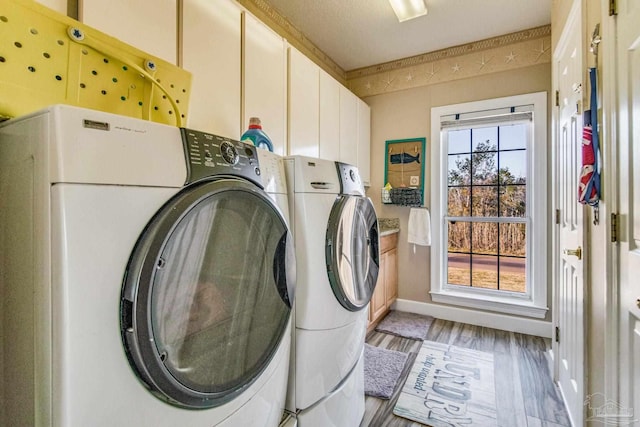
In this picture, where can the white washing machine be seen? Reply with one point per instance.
(337, 252)
(146, 276)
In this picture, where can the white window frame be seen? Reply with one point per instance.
(534, 302)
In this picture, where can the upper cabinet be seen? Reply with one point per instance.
(304, 105)
(149, 25)
(211, 51)
(241, 69)
(329, 117)
(59, 6)
(326, 119)
(265, 81)
(364, 142)
(348, 127)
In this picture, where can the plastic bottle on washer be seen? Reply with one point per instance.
(256, 135)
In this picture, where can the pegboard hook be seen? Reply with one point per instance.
(75, 34)
(150, 66)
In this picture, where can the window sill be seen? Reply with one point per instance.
(491, 303)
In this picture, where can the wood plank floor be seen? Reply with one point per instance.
(526, 395)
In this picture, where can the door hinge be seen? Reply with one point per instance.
(557, 334)
(614, 227)
(557, 216)
(613, 7)
(557, 98)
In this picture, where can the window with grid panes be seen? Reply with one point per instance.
(487, 206)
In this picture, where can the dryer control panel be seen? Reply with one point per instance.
(350, 182)
(210, 155)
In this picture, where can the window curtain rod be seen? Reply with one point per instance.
(487, 118)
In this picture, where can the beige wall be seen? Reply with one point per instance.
(406, 114)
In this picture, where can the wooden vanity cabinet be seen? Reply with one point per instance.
(386, 290)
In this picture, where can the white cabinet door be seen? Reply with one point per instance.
(211, 52)
(304, 105)
(265, 80)
(329, 117)
(364, 142)
(59, 6)
(149, 25)
(348, 127)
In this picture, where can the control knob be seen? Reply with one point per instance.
(229, 153)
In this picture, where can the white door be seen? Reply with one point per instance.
(329, 117)
(628, 131)
(348, 127)
(264, 90)
(148, 25)
(59, 6)
(364, 142)
(569, 292)
(304, 105)
(211, 37)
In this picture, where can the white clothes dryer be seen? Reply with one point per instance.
(337, 252)
(146, 276)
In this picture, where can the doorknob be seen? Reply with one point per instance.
(575, 252)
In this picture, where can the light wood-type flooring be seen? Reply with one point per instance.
(526, 395)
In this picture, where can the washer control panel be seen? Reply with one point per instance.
(350, 182)
(209, 155)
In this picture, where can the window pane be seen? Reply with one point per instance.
(513, 136)
(484, 238)
(485, 168)
(484, 271)
(459, 269)
(513, 239)
(459, 203)
(513, 245)
(459, 236)
(484, 139)
(485, 201)
(513, 167)
(513, 274)
(459, 171)
(513, 201)
(459, 141)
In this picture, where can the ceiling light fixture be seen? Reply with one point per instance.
(408, 9)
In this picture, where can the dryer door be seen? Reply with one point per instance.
(207, 294)
(352, 251)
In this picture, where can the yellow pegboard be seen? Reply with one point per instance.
(48, 58)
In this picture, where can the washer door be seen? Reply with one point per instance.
(352, 251)
(207, 293)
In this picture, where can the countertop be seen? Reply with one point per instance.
(388, 226)
(388, 231)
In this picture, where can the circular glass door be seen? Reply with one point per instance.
(206, 296)
(352, 251)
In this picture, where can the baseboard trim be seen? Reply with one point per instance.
(481, 318)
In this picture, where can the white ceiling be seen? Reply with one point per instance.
(360, 33)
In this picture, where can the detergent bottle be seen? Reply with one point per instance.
(256, 135)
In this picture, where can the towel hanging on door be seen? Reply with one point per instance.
(589, 185)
